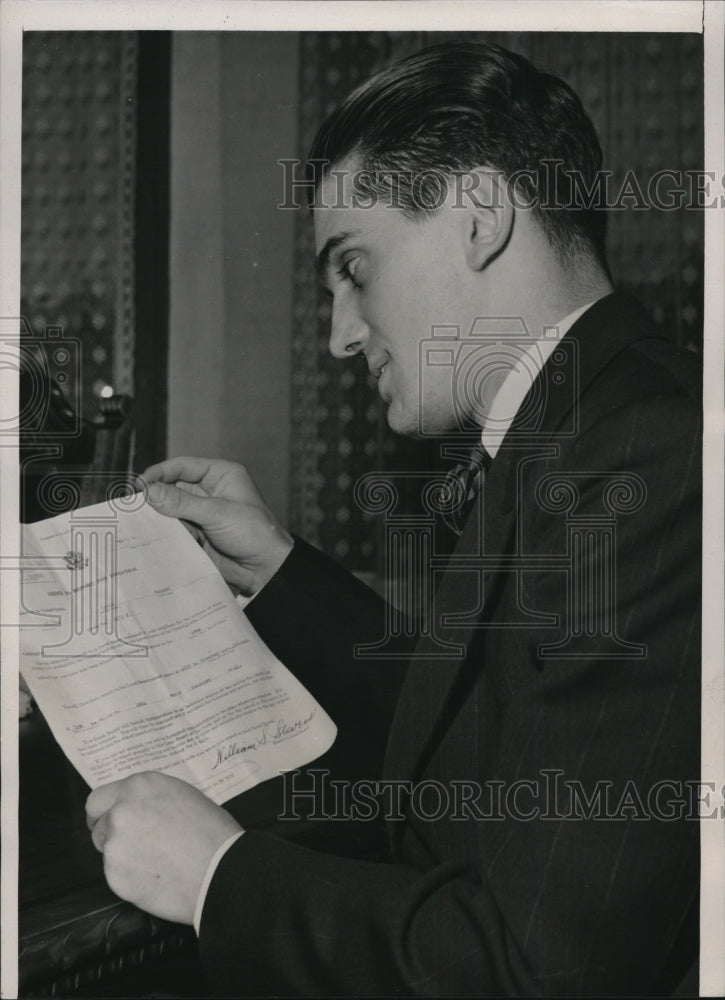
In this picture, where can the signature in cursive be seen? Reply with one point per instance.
(290, 728)
(272, 732)
(223, 754)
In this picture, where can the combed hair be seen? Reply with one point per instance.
(458, 106)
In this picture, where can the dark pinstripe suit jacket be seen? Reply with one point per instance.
(583, 680)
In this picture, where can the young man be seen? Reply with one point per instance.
(553, 708)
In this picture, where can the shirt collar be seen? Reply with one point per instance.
(515, 386)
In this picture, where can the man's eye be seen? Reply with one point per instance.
(347, 271)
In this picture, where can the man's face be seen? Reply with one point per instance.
(392, 279)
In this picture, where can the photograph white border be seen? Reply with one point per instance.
(17, 16)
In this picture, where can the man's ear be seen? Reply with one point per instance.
(487, 216)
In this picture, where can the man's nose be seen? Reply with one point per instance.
(348, 332)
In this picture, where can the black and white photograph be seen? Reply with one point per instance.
(362, 499)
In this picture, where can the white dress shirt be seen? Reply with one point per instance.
(518, 381)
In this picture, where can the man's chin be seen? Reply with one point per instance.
(400, 422)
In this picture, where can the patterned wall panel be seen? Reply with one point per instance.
(78, 152)
(644, 93)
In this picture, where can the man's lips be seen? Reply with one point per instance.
(382, 384)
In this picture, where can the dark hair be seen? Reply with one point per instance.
(462, 105)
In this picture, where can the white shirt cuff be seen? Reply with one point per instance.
(218, 855)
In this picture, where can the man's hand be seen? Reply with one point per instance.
(158, 836)
(227, 515)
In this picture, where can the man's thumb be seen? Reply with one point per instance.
(173, 502)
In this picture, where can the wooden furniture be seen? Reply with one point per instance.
(76, 937)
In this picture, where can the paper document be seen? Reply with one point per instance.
(140, 658)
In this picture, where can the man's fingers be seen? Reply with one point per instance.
(176, 502)
(99, 833)
(194, 488)
(100, 801)
(188, 468)
(216, 476)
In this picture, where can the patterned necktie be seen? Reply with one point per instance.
(462, 484)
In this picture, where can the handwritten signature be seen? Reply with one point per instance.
(272, 732)
(223, 754)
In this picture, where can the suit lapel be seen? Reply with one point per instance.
(430, 679)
